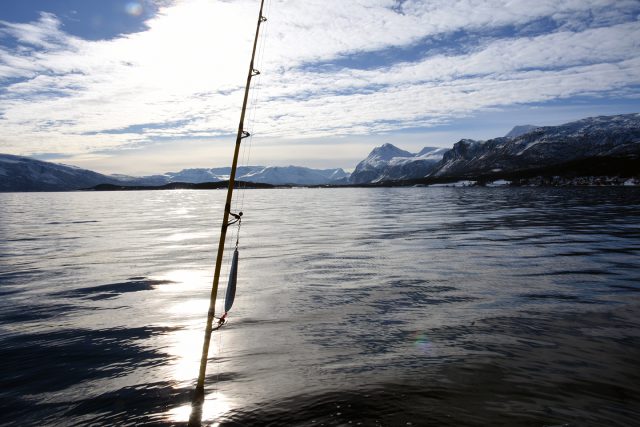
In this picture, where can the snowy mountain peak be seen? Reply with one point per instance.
(388, 162)
(387, 152)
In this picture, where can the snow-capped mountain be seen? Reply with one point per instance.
(193, 176)
(276, 175)
(591, 138)
(209, 175)
(24, 174)
(295, 175)
(389, 163)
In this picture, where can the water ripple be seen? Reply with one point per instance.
(378, 307)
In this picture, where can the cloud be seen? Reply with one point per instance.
(183, 77)
(45, 33)
(427, 92)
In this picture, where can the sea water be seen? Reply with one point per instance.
(373, 307)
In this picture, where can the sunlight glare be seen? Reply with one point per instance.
(184, 280)
(185, 345)
(216, 404)
(179, 237)
(181, 44)
(189, 308)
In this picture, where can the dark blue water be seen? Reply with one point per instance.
(390, 307)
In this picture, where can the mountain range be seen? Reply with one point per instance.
(25, 174)
(610, 137)
(604, 145)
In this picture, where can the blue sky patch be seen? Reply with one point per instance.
(87, 19)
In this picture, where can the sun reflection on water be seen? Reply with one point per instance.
(186, 307)
(215, 405)
(181, 237)
(185, 280)
(185, 347)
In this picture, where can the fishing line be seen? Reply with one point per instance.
(238, 202)
(218, 364)
(246, 153)
(255, 88)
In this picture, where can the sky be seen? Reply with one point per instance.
(149, 86)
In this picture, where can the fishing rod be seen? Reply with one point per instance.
(198, 397)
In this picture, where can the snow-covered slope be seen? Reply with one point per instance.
(199, 175)
(594, 137)
(275, 175)
(24, 174)
(520, 130)
(296, 175)
(388, 163)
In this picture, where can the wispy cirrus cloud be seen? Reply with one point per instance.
(330, 68)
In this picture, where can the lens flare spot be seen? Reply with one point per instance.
(133, 8)
(423, 344)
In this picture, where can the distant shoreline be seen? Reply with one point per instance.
(535, 181)
(178, 186)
